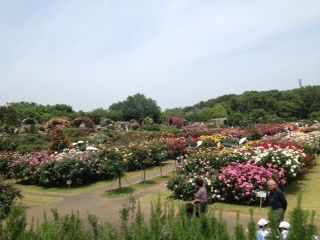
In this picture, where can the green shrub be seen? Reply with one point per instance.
(254, 135)
(8, 195)
(6, 144)
(164, 223)
(4, 166)
(153, 127)
(113, 165)
(181, 188)
(171, 130)
(24, 142)
(302, 223)
(108, 136)
(75, 133)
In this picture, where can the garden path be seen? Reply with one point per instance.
(107, 209)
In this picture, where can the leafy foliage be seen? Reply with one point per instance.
(24, 142)
(164, 223)
(265, 106)
(8, 195)
(136, 107)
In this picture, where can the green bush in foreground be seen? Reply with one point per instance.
(8, 196)
(164, 223)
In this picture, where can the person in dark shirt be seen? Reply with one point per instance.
(276, 200)
(201, 197)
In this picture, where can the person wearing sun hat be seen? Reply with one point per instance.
(201, 197)
(262, 233)
(284, 229)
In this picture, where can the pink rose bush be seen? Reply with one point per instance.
(46, 169)
(240, 182)
(271, 129)
(82, 164)
(237, 174)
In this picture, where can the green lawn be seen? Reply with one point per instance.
(309, 185)
(64, 190)
(126, 191)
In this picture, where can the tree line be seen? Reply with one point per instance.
(256, 106)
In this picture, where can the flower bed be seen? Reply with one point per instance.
(82, 164)
(237, 174)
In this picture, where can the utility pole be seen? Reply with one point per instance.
(300, 83)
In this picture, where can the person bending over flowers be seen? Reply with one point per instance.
(201, 197)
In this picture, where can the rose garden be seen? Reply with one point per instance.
(75, 157)
(233, 172)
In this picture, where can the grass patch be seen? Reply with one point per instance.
(124, 192)
(64, 190)
(39, 200)
(310, 188)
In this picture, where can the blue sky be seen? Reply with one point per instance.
(90, 54)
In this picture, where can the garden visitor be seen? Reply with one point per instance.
(284, 229)
(201, 197)
(263, 232)
(276, 200)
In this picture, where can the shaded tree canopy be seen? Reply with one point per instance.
(136, 107)
(264, 106)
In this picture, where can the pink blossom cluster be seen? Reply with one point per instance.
(195, 127)
(243, 180)
(34, 159)
(271, 129)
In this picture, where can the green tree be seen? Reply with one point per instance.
(114, 165)
(218, 111)
(8, 115)
(258, 115)
(175, 112)
(136, 107)
(98, 114)
(288, 109)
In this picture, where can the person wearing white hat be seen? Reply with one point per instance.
(284, 229)
(262, 233)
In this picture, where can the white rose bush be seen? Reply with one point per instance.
(237, 174)
(82, 164)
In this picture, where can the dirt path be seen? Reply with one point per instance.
(107, 209)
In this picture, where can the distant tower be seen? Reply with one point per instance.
(300, 83)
